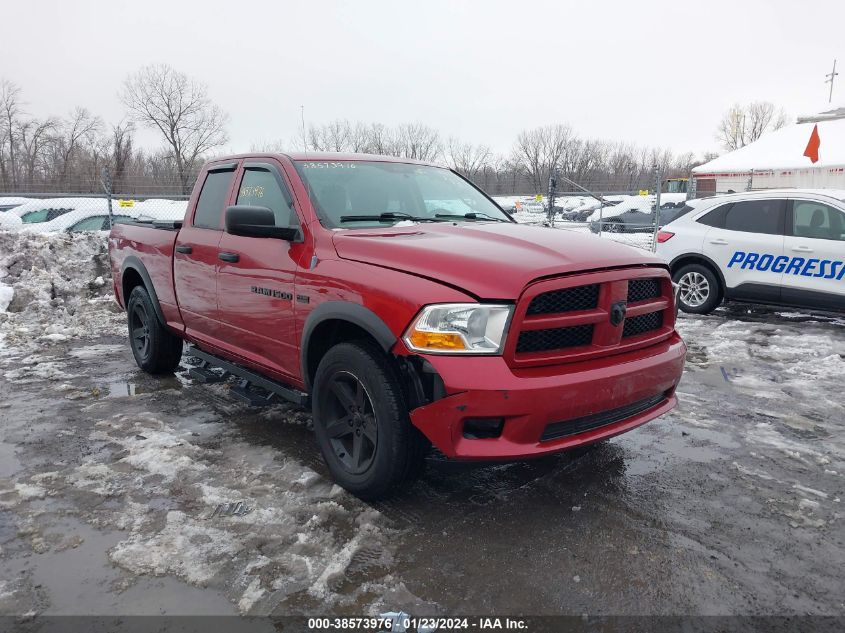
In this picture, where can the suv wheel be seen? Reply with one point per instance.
(699, 292)
(361, 421)
(155, 349)
(615, 227)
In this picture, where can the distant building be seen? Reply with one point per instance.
(777, 160)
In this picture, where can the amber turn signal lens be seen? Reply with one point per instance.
(436, 340)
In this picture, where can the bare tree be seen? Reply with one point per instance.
(80, 127)
(418, 141)
(467, 159)
(382, 140)
(331, 137)
(121, 154)
(162, 98)
(537, 151)
(34, 138)
(10, 113)
(742, 125)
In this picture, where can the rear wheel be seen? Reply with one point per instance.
(155, 349)
(361, 421)
(700, 291)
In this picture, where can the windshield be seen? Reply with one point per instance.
(361, 194)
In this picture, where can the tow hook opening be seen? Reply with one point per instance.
(483, 428)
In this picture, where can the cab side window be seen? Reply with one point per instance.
(756, 216)
(212, 199)
(260, 188)
(818, 221)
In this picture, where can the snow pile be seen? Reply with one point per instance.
(55, 287)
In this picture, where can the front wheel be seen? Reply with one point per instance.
(699, 291)
(155, 349)
(361, 421)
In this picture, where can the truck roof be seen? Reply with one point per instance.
(323, 156)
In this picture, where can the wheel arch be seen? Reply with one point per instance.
(133, 273)
(334, 322)
(699, 258)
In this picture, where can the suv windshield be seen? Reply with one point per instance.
(360, 194)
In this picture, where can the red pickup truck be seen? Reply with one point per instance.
(406, 307)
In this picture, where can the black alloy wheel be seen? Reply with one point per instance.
(351, 422)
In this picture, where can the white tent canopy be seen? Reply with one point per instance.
(784, 148)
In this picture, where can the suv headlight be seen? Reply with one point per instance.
(459, 328)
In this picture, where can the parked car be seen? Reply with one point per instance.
(79, 221)
(38, 210)
(782, 247)
(672, 211)
(636, 215)
(628, 218)
(7, 203)
(587, 210)
(332, 280)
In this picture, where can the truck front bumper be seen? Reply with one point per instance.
(547, 409)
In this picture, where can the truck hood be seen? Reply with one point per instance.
(488, 260)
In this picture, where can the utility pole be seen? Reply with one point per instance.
(552, 191)
(830, 77)
(658, 183)
(107, 188)
(304, 138)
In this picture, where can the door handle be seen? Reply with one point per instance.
(184, 248)
(802, 249)
(719, 241)
(228, 257)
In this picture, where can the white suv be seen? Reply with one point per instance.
(783, 247)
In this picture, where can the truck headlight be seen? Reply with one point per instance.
(459, 328)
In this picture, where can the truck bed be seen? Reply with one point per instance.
(152, 244)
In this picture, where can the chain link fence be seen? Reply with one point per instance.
(70, 213)
(631, 217)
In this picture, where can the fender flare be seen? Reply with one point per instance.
(133, 263)
(354, 313)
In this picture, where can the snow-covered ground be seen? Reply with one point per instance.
(299, 533)
(113, 482)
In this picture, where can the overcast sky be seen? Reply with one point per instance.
(653, 73)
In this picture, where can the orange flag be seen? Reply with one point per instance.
(812, 151)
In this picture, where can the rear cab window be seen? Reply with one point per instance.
(212, 198)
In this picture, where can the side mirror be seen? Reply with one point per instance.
(250, 221)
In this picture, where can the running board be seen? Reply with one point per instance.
(248, 378)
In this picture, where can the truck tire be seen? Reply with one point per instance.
(361, 422)
(700, 291)
(155, 349)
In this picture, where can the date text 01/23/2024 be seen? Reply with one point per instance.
(402, 623)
